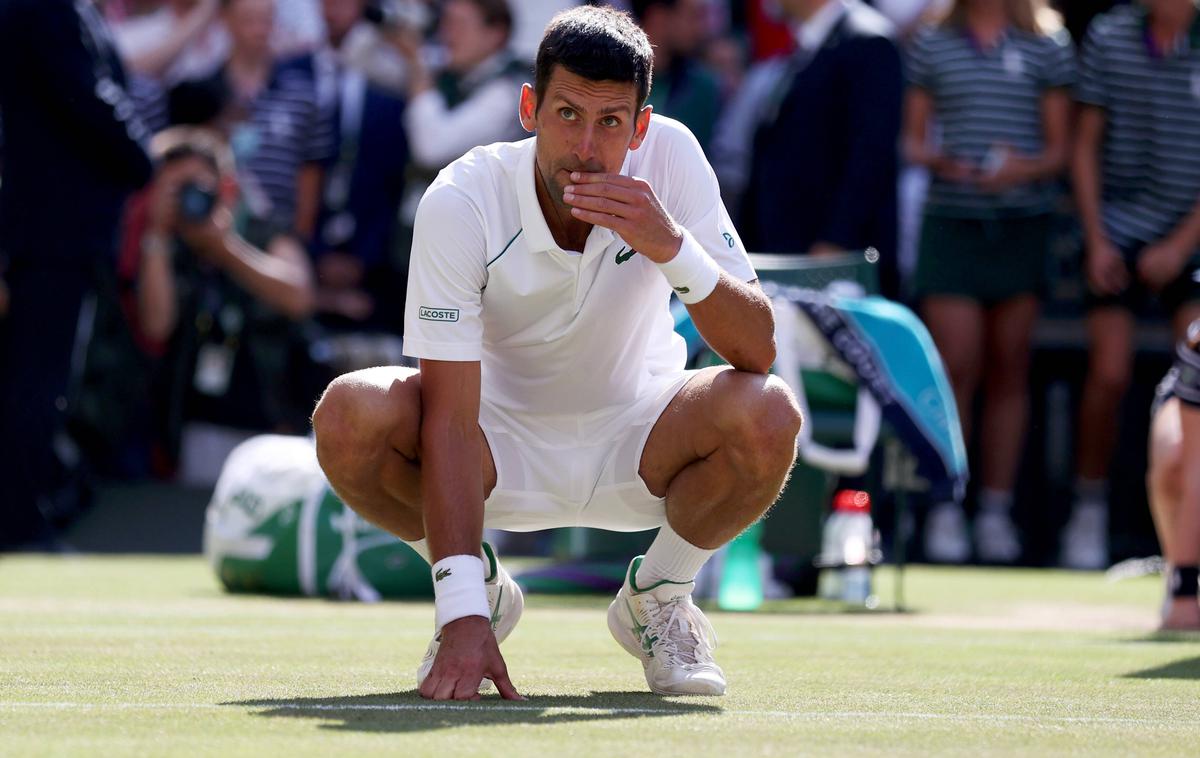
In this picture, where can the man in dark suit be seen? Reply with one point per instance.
(361, 282)
(73, 148)
(821, 130)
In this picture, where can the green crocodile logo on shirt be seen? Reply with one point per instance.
(623, 256)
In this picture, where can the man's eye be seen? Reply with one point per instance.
(567, 114)
(610, 121)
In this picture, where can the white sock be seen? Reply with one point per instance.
(671, 558)
(995, 501)
(421, 547)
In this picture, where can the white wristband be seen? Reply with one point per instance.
(692, 273)
(458, 589)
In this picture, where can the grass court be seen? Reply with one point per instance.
(139, 655)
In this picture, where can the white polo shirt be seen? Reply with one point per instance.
(557, 333)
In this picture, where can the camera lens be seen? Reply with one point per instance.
(195, 202)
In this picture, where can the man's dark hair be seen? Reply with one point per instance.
(180, 142)
(597, 43)
(198, 102)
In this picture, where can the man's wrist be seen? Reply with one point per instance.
(458, 589)
(692, 273)
(673, 251)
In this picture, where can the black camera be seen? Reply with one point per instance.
(196, 203)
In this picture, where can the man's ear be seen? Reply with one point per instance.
(640, 124)
(527, 108)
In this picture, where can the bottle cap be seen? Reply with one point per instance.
(852, 501)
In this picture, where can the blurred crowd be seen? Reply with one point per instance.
(205, 205)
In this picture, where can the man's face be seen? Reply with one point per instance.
(341, 16)
(468, 40)
(250, 24)
(582, 125)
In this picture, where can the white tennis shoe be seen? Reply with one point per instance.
(663, 628)
(505, 601)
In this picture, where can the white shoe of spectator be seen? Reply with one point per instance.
(996, 539)
(946, 538)
(1085, 537)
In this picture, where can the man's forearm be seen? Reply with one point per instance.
(737, 321)
(280, 280)
(452, 484)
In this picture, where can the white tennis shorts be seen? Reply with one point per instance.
(575, 470)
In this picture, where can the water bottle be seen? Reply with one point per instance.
(848, 548)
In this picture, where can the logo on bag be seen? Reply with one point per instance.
(441, 574)
(425, 313)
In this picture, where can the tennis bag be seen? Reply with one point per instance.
(274, 526)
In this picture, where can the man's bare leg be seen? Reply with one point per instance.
(720, 453)
(368, 443)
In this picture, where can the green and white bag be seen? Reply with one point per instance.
(275, 526)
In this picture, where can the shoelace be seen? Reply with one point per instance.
(676, 640)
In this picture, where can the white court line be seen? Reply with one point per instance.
(682, 711)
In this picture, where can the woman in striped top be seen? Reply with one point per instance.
(1136, 175)
(986, 111)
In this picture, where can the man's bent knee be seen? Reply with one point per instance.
(769, 422)
(358, 416)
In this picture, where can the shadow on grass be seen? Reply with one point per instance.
(408, 712)
(1186, 668)
(1165, 636)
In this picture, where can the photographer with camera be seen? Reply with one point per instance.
(223, 312)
